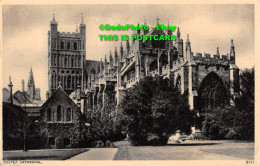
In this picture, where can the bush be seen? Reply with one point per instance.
(156, 140)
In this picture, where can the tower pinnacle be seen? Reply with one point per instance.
(53, 14)
(217, 51)
(82, 18)
(157, 20)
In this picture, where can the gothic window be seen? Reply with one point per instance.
(59, 113)
(73, 83)
(79, 62)
(49, 115)
(62, 60)
(83, 45)
(76, 59)
(58, 79)
(69, 59)
(66, 61)
(72, 61)
(65, 82)
(51, 59)
(77, 81)
(58, 59)
(69, 82)
(212, 92)
(69, 113)
(62, 45)
(55, 81)
(75, 46)
(52, 80)
(54, 59)
(178, 83)
(68, 45)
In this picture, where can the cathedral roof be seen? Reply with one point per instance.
(91, 64)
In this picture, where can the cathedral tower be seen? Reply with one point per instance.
(66, 57)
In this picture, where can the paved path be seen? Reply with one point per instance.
(222, 150)
(225, 150)
(96, 154)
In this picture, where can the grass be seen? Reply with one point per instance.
(47, 154)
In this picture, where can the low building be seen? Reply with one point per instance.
(61, 120)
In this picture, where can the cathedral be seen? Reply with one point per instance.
(198, 74)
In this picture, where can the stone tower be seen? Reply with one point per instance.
(66, 57)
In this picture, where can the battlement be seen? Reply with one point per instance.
(69, 34)
(215, 57)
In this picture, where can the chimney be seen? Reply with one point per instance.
(11, 90)
(22, 85)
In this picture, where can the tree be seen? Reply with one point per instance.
(106, 121)
(155, 110)
(233, 122)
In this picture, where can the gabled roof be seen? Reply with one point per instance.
(6, 97)
(56, 95)
(22, 97)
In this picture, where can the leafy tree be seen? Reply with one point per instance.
(233, 122)
(106, 121)
(156, 110)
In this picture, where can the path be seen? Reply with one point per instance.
(225, 150)
(96, 154)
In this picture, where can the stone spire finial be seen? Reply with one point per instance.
(178, 32)
(157, 20)
(82, 18)
(188, 43)
(53, 14)
(10, 90)
(77, 28)
(22, 85)
(217, 51)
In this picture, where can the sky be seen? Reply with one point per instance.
(25, 29)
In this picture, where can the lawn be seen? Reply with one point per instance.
(46, 154)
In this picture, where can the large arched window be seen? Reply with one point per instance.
(49, 115)
(69, 113)
(212, 92)
(75, 46)
(59, 113)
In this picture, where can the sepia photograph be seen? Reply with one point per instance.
(103, 82)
